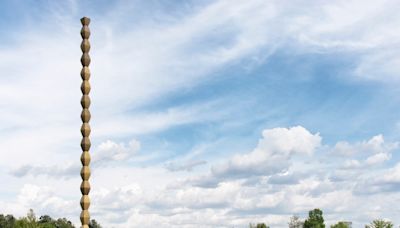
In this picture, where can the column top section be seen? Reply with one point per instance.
(85, 20)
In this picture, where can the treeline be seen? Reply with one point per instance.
(44, 221)
(316, 220)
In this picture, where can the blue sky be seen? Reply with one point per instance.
(204, 113)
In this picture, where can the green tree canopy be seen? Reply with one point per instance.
(31, 217)
(295, 222)
(259, 225)
(340, 225)
(380, 223)
(64, 223)
(93, 224)
(315, 219)
(7, 221)
(45, 221)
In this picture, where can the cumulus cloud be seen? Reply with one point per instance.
(45, 199)
(114, 204)
(286, 178)
(374, 145)
(351, 164)
(272, 154)
(381, 181)
(110, 151)
(392, 175)
(170, 207)
(125, 200)
(377, 158)
(374, 151)
(362, 165)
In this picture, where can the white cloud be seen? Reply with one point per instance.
(362, 155)
(351, 164)
(110, 151)
(382, 181)
(106, 153)
(272, 153)
(375, 145)
(43, 199)
(289, 141)
(377, 158)
(183, 166)
(393, 175)
(56, 171)
(132, 196)
(114, 205)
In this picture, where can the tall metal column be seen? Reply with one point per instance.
(85, 129)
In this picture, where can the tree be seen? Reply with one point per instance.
(7, 221)
(45, 219)
(262, 225)
(21, 223)
(27, 222)
(10, 220)
(380, 223)
(31, 217)
(64, 223)
(259, 225)
(93, 224)
(46, 225)
(315, 219)
(340, 225)
(295, 222)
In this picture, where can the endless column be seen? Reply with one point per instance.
(85, 129)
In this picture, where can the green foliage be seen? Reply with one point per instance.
(22, 223)
(45, 221)
(340, 225)
(7, 221)
(93, 224)
(259, 225)
(63, 223)
(315, 219)
(380, 223)
(31, 217)
(27, 222)
(47, 225)
(295, 222)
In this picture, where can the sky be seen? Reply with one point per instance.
(204, 113)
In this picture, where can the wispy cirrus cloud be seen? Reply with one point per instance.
(186, 166)
(105, 153)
